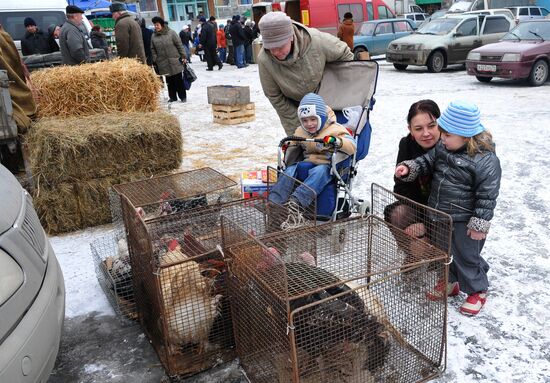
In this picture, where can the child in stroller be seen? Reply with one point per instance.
(324, 134)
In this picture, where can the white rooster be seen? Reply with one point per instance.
(189, 306)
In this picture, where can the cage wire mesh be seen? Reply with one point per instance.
(168, 194)
(114, 274)
(153, 197)
(180, 278)
(335, 303)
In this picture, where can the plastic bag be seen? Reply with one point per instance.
(353, 115)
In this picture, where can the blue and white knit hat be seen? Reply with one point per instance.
(461, 118)
(313, 105)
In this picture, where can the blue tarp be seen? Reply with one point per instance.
(97, 4)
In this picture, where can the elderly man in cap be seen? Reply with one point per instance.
(129, 41)
(72, 41)
(292, 61)
(35, 41)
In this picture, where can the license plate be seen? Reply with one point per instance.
(486, 68)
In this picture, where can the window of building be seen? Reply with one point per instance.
(148, 6)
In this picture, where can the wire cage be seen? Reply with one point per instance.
(169, 194)
(180, 278)
(336, 303)
(114, 274)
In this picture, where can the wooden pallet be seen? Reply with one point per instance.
(233, 114)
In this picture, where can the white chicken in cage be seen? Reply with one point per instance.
(190, 308)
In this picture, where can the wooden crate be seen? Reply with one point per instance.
(233, 114)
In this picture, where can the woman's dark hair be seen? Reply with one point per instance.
(96, 28)
(157, 19)
(348, 15)
(423, 106)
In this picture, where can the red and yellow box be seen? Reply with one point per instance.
(255, 183)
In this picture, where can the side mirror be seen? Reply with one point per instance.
(457, 34)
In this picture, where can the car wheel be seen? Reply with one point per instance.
(400, 66)
(436, 61)
(357, 52)
(484, 79)
(539, 73)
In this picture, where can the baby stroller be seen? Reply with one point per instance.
(352, 106)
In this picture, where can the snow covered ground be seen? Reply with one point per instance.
(509, 341)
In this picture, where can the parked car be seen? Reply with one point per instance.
(418, 18)
(498, 11)
(446, 41)
(375, 36)
(326, 15)
(523, 53)
(32, 293)
(529, 12)
(436, 15)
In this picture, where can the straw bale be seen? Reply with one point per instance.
(123, 85)
(71, 206)
(81, 148)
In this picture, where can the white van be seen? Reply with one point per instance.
(43, 12)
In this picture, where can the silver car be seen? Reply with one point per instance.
(32, 290)
(446, 40)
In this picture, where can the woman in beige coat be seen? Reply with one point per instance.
(169, 58)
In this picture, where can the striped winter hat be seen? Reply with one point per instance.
(313, 105)
(461, 118)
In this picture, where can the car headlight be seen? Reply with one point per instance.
(474, 56)
(514, 57)
(11, 277)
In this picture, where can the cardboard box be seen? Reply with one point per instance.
(255, 183)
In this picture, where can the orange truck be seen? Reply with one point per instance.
(326, 15)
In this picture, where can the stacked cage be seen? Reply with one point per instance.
(338, 302)
(180, 273)
(114, 273)
(153, 197)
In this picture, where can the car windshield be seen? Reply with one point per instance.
(367, 29)
(438, 26)
(529, 31)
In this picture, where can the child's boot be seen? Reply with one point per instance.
(438, 292)
(474, 303)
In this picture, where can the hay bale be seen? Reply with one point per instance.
(71, 206)
(123, 85)
(99, 146)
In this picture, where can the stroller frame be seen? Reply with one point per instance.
(344, 75)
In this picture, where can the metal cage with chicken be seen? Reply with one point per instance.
(180, 278)
(114, 274)
(158, 196)
(338, 302)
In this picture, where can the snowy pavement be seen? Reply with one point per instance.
(509, 341)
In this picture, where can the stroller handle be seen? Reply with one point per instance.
(301, 139)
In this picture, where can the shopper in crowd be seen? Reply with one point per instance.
(209, 42)
(129, 41)
(249, 33)
(53, 34)
(72, 41)
(35, 41)
(238, 38)
(222, 43)
(346, 30)
(169, 57)
(186, 38)
(230, 51)
(99, 40)
(146, 35)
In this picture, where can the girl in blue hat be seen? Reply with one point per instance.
(465, 184)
